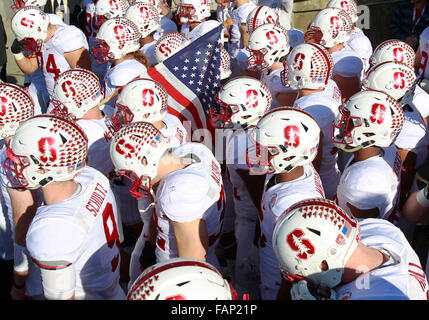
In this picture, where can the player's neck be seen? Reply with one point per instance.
(239, 3)
(307, 92)
(93, 114)
(170, 163)
(363, 260)
(57, 191)
(159, 125)
(52, 28)
(337, 47)
(366, 153)
(193, 25)
(145, 40)
(294, 174)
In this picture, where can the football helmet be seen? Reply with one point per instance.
(76, 91)
(189, 11)
(393, 50)
(283, 139)
(348, 6)
(331, 26)
(308, 66)
(168, 44)
(30, 27)
(181, 279)
(267, 44)
(392, 77)
(368, 118)
(259, 16)
(45, 148)
(242, 102)
(116, 38)
(310, 232)
(225, 64)
(135, 151)
(16, 106)
(156, 3)
(18, 4)
(108, 9)
(140, 100)
(145, 16)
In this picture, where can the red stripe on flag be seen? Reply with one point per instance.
(181, 99)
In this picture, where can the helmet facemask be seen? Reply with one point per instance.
(101, 51)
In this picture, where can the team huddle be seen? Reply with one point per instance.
(106, 196)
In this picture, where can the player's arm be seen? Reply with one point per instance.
(78, 58)
(416, 208)
(254, 184)
(244, 35)
(58, 279)
(347, 85)
(192, 239)
(284, 290)
(317, 162)
(27, 64)
(363, 214)
(418, 60)
(286, 98)
(408, 173)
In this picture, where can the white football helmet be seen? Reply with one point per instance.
(393, 50)
(145, 16)
(135, 151)
(308, 66)
(242, 102)
(348, 6)
(331, 26)
(368, 118)
(189, 11)
(16, 106)
(283, 139)
(45, 148)
(392, 77)
(168, 44)
(76, 91)
(267, 44)
(30, 27)
(140, 100)
(18, 4)
(225, 64)
(108, 9)
(116, 38)
(156, 3)
(181, 279)
(310, 232)
(259, 16)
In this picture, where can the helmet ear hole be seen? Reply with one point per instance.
(324, 265)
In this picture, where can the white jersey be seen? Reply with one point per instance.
(421, 101)
(372, 183)
(424, 49)
(194, 192)
(81, 231)
(275, 200)
(51, 58)
(360, 44)
(273, 82)
(165, 25)
(400, 278)
(149, 50)
(200, 30)
(118, 76)
(323, 107)
(347, 63)
(98, 145)
(413, 135)
(91, 29)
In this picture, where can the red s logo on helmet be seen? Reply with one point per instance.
(399, 55)
(292, 136)
(335, 21)
(176, 297)
(68, 88)
(299, 61)
(3, 106)
(27, 23)
(304, 247)
(114, 5)
(272, 38)
(377, 112)
(144, 13)
(252, 98)
(148, 98)
(119, 32)
(125, 148)
(399, 81)
(270, 19)
(47, 149)
(164, 49)
(345, 6)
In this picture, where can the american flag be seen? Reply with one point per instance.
(192, 78)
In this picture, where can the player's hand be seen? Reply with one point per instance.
(302, 290)
(228, 22)
(16, 47)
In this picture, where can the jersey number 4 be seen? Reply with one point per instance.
(50, 66)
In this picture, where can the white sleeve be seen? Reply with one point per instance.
(70, 39)
(59, 282)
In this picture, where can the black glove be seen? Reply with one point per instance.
(16, 47)
(147, 257)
